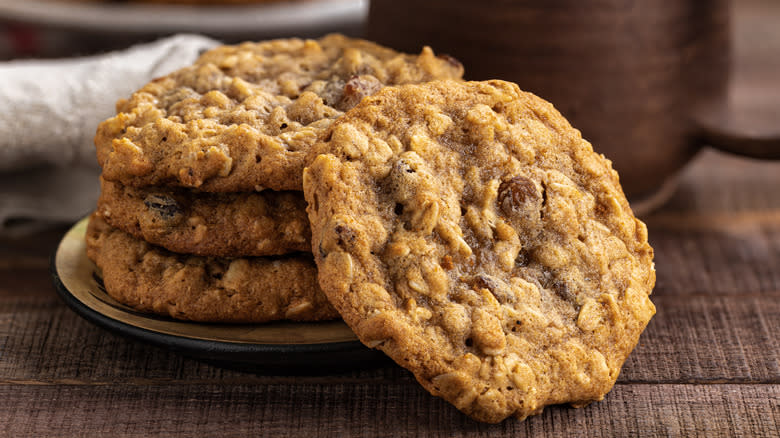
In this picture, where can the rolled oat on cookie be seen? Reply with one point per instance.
(209, 224)
(243, 117)
(470, 233)
(208, 289)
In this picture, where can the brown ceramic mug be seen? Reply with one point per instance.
(645, 81)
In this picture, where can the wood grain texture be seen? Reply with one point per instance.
(374, 409)
(716, 262)
(697, 338)
(704, 338)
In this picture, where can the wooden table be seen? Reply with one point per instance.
(707, 365)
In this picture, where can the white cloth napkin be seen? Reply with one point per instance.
(49, 111)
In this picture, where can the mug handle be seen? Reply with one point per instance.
(749, 130)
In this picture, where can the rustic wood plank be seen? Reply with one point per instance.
(727, 261)
(692, 338)
(373, 409)
(43, 341)
(706, 338)
(20, 282)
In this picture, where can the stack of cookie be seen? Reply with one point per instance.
(201, 214)
(463, 228)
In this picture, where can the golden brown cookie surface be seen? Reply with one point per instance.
(243, 117)
(209, 224)
(209, 289)
(469, 232)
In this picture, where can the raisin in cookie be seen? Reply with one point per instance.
(470, 233)
(243, 117)
(210, 224)
(255, 289)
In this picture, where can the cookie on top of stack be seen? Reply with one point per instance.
(201, 214)
(463, 228)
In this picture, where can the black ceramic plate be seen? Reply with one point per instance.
(285, 346)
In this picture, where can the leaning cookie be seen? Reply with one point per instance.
(209, 224)
(246, 290)
(243, 117)
(470, 233)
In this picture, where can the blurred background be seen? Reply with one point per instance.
(638, 116)
(58, 28)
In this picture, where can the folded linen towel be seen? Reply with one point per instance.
(49, 111)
